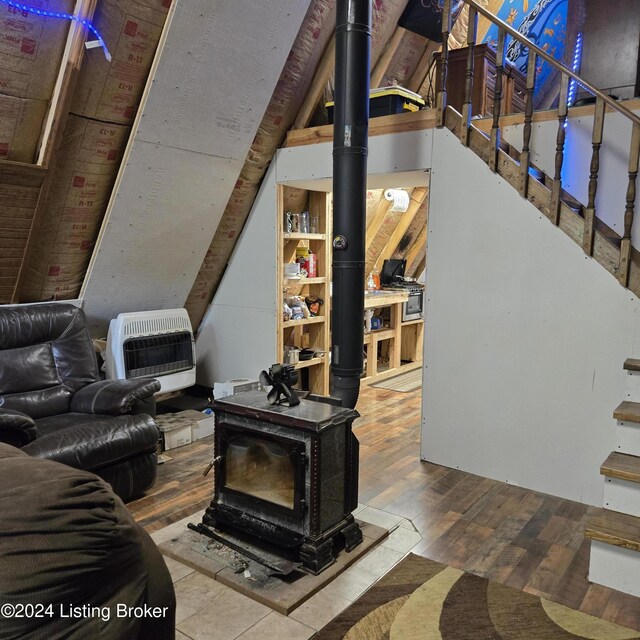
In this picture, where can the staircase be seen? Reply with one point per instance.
(615, 530)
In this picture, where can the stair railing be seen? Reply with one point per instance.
(602, 102)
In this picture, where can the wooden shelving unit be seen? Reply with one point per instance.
(401, 341)
(313, 332)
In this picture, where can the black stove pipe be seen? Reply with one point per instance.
(350, 132)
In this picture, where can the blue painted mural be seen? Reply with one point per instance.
(542, 21)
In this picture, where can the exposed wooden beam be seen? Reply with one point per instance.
(385, 59)
(417, 246)
(320, 79)
(416, 121)
(417, 198)
(65, 82)
(422, 69)
(376, 220)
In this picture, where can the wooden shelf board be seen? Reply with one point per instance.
(629, 411)
(302, 281)
(611, 527)
(410, 322)
(380, 334)
(304, 236)
(309, 363)
(390, 373)
(631, 364)
(621, 466)
(297, 323)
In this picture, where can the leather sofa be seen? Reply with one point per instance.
(54, 405)
(73, 563)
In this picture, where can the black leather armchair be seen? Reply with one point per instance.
(53, 404)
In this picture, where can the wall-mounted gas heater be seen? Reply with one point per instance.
(152, 344)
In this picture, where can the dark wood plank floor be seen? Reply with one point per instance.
(525, 539)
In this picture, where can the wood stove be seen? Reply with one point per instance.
(286, 478)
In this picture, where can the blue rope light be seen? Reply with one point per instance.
(65, 16)
(577, 58)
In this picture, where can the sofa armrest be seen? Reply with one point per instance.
(16, 428)
(113, 397)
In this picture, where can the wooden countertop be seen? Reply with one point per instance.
(384, 298)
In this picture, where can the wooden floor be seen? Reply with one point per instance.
(528, 540)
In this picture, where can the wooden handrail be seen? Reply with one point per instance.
(602, 101)
(552, 61)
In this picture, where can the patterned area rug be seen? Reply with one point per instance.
(409, 381)
(423, 600)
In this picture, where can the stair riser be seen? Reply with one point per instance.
(633, 386)
(622, 496)
(615, 567)
(628, 437)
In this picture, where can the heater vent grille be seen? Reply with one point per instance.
(158, 355)
(156, 325)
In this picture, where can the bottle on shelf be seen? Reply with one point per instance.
(373, 281)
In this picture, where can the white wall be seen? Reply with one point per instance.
(525, 338)
(237, 336)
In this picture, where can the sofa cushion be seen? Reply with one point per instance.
(66, 540)
(27, 369)
(63, 329)
(37, 404)
(90, 441)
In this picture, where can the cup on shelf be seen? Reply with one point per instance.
(303, 223)
(314, 223)
(288, 222)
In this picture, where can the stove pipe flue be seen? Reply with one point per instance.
(350, 131)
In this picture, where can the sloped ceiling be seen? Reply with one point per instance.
(152, 250)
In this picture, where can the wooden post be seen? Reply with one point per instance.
(385, 59)
(441, 102)
(590, 211)
(625, 247)
(466, 107)
(528, 117)
(494, 148)
(65, 82)
(556, 188)
(318, 84)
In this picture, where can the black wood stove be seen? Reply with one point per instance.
(285, 478)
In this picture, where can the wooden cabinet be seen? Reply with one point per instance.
(514, 83)
(395, 348)
(310, 332)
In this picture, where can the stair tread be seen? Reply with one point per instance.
(622, 466)
(629, 411)
(619, 529)
(632, 364)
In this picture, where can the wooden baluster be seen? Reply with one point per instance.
(441, 102)
(528, 117)
(468, 87)
(625, 247)
(590, 211)
(556, 188)
(494, 147)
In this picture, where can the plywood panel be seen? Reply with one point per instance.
(180, 168)
(196, 103)
(167, 207)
